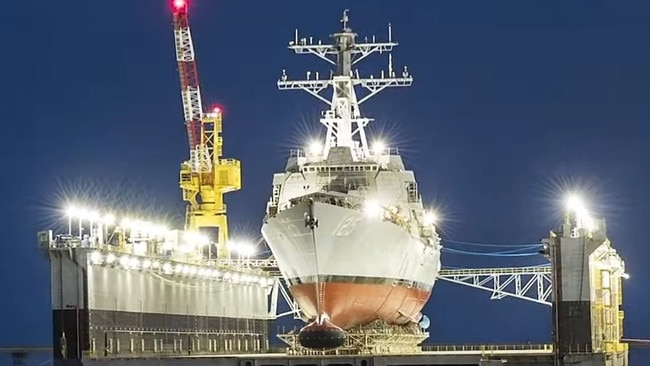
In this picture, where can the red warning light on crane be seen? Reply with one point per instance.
(216, 110)
(178, 4)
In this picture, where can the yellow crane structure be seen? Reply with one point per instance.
(205, 177)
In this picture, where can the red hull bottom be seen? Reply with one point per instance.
(352, 304)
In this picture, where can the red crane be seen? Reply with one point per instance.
(206, 176)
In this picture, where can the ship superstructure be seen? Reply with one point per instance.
(345, 220)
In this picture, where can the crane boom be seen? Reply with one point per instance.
(206, 176)
(187, 70)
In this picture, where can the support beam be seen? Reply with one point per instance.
(526, 283)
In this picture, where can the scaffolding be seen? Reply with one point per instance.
(376, 338)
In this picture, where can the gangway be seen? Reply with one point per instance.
(526, 283)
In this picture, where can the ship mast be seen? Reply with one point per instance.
(343, 120)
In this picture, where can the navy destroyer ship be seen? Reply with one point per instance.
(345, 220)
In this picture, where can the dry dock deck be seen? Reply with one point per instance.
(438, 355)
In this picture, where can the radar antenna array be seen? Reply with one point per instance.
(343, 120)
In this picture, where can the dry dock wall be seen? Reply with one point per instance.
(105, 310)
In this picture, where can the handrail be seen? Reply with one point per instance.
(494, 271)
(485, 347)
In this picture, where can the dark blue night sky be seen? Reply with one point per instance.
(512, 102)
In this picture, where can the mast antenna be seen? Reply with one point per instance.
(344, 122)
